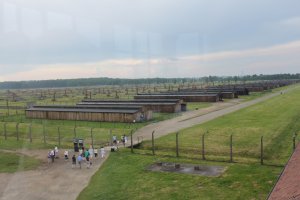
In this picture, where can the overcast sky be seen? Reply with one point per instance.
(41, 39)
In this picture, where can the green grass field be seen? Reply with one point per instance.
(276, 119)
(120, 179)
(197, 105)
(12, 162)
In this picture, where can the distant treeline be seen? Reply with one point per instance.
(84, 82)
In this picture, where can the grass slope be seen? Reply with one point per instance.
(124, 176)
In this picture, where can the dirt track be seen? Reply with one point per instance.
(50, 181)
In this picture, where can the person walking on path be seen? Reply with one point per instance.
(79, 159)
(87, 158)
(56, 151)
(80, 151)
(124, 139)
(52, 155)
(91, 151)
(73, 161)
(102, 151)
(96, 152)
(66, 155)
(114, 140)
(49, 156)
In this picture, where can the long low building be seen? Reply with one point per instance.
(89, 114)
(186, 98)
(227, 92)
(222, 95)
(95, 106)
(157, 105)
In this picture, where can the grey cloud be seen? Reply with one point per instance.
(35, 32)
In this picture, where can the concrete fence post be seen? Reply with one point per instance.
(177, 147)
(58, 132)
(17, 131)
(231, 158)
(131, 141)
(74, 131)
(30, 133)
(44, 133)
(261, 150)
(4, 130)
(203, 148)
(294, 142)
(153, 150)
(110, 137)
(92, 138)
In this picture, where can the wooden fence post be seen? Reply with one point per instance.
(203, 148)
(17, 130)
(131, 141)
(177, 148)
(5, 134)
(261, 150)
(231, 159)
(30, 133)
(153, 151)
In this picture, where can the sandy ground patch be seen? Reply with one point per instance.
(50, 181)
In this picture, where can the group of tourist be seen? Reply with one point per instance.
(116, 141)
(84, 156)
(52, 154)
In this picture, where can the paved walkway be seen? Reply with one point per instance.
(287, 186)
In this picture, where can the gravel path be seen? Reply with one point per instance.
(50, 181)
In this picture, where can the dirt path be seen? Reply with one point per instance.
(50, 181)
(192, 118)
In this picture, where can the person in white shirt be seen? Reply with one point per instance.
(102, 151)
(91, 151)
(56, 151)
(52, 155)
(66, 155)
(96, 152)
